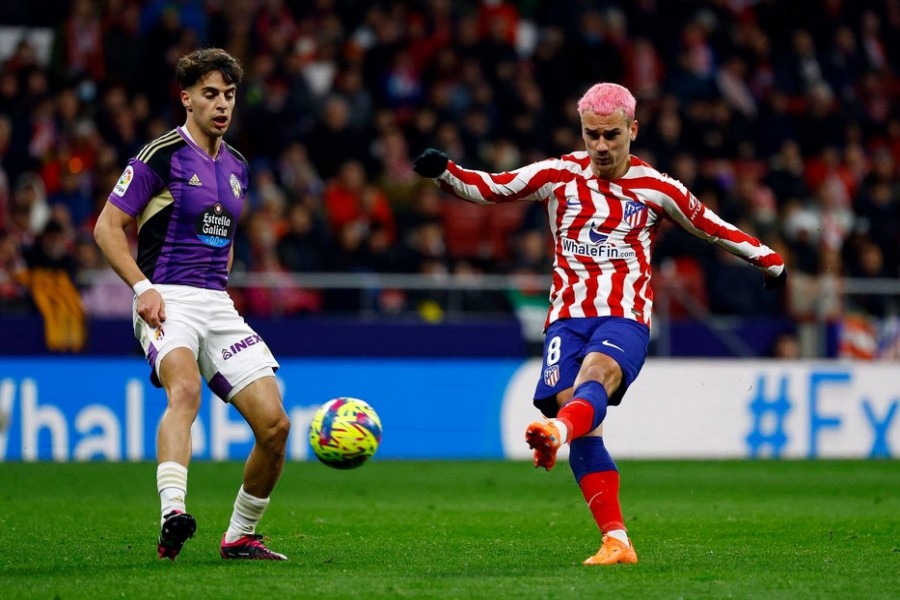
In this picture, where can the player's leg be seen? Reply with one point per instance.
(614, 358)
(180, 376)
(239, 368)
(575, 387)
(260, 405)
(598, 477)
(597, 379)
(563, 345)
(171, 351)
(579, 423)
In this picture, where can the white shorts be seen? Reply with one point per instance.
(229, 353)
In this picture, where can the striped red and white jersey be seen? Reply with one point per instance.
(603, 231)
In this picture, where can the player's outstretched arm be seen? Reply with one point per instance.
(431, 163)
(699, 220)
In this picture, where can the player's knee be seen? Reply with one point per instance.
(184, 395)
(608, 373)
(273, 435)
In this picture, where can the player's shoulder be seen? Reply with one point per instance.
(163, 146)
(575, 160)
(158, 153)
(641, 168)
(644, 175)
(578, 162)
(234, 152)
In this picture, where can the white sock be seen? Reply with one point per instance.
(619, 534)
(563, 430)
(171, 483)
(248, 510)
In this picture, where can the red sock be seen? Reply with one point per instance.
(578, 415)
(601, 491)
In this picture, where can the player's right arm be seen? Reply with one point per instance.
(112, 239)
(531, 182)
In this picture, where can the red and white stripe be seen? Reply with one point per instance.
(603, 230)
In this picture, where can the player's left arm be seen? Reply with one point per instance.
(681, 206)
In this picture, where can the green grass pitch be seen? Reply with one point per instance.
(717, 529)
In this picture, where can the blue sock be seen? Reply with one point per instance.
(595, 394)
(589, 455)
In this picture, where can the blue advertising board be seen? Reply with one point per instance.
(105, 409)
(66, 409)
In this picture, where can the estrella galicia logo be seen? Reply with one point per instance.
(215, 226)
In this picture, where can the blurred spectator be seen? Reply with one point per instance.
(297, 174)
(870, 265)
(396, 179)
(52, 250)
(785, 174)
(81, 42)
(305, 245)
(30, 198)
(123, 54)
(786, 346)
(13, 295)
(333, 138)
(350, 199)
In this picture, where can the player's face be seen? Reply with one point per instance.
(210, 103)
(607, 139)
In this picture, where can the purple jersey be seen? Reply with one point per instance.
(187, 206)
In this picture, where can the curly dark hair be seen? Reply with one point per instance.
(193, 67)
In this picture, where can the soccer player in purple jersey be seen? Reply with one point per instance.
(185, 191)
(605, 207)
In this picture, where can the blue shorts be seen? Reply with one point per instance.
(568, 341)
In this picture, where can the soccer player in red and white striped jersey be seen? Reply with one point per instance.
(605, 207)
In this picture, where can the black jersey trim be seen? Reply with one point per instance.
(164, 140)
(157, 204)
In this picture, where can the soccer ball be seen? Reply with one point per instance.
(345, 433)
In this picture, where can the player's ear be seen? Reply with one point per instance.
(186, 101)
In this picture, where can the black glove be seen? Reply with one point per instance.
(431, 163)
(774, 283)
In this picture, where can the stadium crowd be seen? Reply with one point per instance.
(782, 116)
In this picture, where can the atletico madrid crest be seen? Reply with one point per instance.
(635, 214)
(551, 375)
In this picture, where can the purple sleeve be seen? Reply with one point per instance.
(136, 186)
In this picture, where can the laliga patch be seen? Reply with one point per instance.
(551, 375)
(124, 181)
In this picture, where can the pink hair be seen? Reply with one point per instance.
(607, 98)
